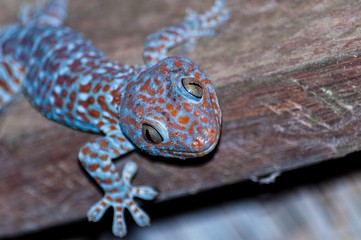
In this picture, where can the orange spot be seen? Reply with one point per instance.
(22, 70)
(164, 69)
(205, 105)
(190, 130)
(106, 88)
(94, 113)
(141, 110)
(85, 151)
(82, 115)
(145, 86)
(142, 97)
(90, 100)
(7, 68)
(58, 102)
(173, 112)
(152, 92)
(176, 126)
(187, 107)
(73, 96)
(183, 120)
(163, 38)
(151, 101)
(204, 120)
(184, 137)
(197, 76)
(160, 91)
(93, 167)
(148, 59)
(106, 168)
(156, 81)
(103, 143)
(5, 86)
(64, 93)
(212, 131)
(158, 109)
(215, 106)
(104, 157)
(97, 88)
(83, 103)
(130, 104)
(108, 181)
(116, 152)
(178, 64)
(191, 68)
(100, 124)
(85, 88)
(69, 115)
(17, 81)
(197, 143)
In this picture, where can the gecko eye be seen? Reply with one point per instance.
(151, 134)
(193, 87)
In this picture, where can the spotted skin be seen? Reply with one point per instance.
(193, 27)
(11, 78)
(168, 107)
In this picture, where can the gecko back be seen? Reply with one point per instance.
(12, 71)
(62, 74)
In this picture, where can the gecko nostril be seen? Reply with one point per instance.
(198, 143)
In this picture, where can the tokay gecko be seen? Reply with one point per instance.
(167, 107)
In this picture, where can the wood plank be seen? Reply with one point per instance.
(288, 80)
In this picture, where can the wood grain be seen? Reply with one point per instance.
(287, 76)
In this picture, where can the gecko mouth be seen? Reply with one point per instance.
(185, 154)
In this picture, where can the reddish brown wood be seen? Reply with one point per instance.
(288, 79)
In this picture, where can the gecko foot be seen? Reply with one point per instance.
(123, 198)
(204, 25)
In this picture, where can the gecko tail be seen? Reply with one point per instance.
(48, 12)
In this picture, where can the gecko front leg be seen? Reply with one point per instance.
(193, 27)
(96, 158)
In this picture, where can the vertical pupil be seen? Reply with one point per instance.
(193, 87)
(151, 134)
(148, 136)
(194, 84)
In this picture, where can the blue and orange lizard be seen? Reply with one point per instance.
(168, 107)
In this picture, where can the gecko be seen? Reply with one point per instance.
(166, 107)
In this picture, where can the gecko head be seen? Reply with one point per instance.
(171, 110)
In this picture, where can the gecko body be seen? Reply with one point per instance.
(168, 107)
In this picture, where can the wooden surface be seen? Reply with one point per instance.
(287, 76)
